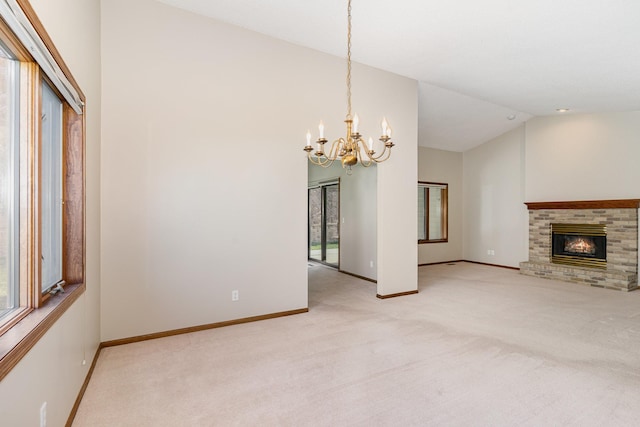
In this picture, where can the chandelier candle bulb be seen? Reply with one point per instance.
(308, 138)
(321, 129)
(384, 126)
(356, 120)
(370, 144)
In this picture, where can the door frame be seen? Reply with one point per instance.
(323, 239)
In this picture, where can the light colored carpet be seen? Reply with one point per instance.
(478, 346)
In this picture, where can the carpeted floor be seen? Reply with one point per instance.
(478, 346)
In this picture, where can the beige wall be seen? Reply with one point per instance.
(204, 177)
(53, 371)
(443, 167)
(555, 158)
(495, 217)
(583, 157)
(397, 199)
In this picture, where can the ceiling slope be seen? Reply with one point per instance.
(478, 61)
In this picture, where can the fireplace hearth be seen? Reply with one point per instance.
(582, 245)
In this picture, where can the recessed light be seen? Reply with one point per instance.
(511, 117)
(562, 110)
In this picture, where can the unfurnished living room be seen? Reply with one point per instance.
(329, 213)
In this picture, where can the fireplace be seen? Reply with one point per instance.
(613, 226)
(582, 245)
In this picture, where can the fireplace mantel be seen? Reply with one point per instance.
(586, 204)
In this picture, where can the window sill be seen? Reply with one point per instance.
(17, 341)
(433, 241)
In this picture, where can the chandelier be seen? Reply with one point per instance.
(353, 148)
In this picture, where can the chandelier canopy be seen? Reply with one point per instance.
(352, 148)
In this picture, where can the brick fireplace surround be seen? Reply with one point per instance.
(621, 219)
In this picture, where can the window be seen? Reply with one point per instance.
(51, 189)
(42, 243)
(9, 184)
(432, 212)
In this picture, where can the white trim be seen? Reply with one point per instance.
(323, 183)
(425, 185)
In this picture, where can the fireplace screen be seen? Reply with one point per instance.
(579, 244)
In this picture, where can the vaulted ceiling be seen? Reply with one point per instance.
(484, 66)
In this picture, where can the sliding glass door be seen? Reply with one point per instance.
(324, 224)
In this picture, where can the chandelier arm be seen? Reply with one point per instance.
(365, 163)
(365, 159)
(386, 153)
(318, 161)
(335, 148)
(375, 158)
(329, 157)
(315, 162)
(380, 159)
(369, 156)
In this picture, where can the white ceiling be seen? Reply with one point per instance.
(478, 61)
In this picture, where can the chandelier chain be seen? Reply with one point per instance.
(349, 60)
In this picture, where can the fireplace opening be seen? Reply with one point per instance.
(582, 245)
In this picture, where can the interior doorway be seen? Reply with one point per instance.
(324, 223)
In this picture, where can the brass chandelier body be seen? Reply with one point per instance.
(352, 148)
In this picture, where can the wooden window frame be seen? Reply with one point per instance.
(445, 212)
(38, 311)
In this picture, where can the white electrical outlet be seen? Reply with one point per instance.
(488, 251)
(371, 264)
(235, 295)
(43, 415)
